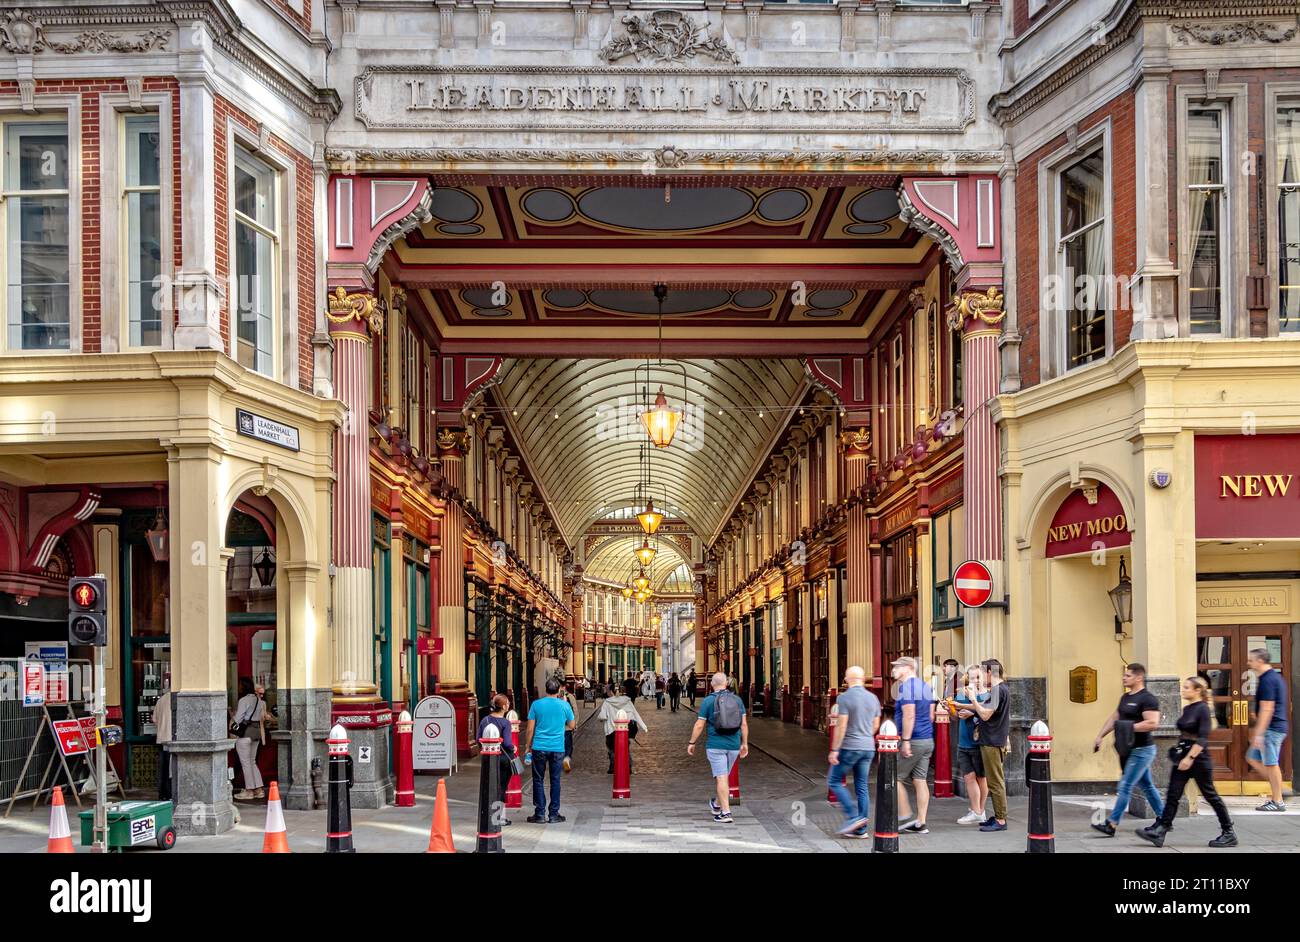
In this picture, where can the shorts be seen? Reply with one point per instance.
(970, 760)
(1272, 748)
(917, 765)
(721, 760)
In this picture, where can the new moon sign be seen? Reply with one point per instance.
(1083, 527)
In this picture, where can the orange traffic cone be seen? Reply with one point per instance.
(440, 835)
(60, 836)
(276, 840)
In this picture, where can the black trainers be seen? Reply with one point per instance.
(1227, 839)
(1272, 805)
(714, 806)
(723, 818)
(1153, 834)
(536, 819)
(555, 819)
(1105, 828)
(914, 827)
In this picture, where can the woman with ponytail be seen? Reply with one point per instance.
(1191, 760)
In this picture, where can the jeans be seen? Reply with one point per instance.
(541, 760)
(675, 700)
(859, 763)
(1137, 774)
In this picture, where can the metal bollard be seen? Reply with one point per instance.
(942, 755)
(1038, 773)
(622, 758)
(885, 834)
(404, 761)
(515, 787)
(831, 719)
(338, 829)
(490, 811)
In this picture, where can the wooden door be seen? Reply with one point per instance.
(1222, 653)
(1215, 653)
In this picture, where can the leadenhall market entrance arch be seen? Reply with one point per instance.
(819, 191)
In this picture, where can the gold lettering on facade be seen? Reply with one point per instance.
(1249, 485)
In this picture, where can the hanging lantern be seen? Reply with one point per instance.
(661, 421)
(642, 583)
(649, 517)
(627, 591)
(156, 536)
(646, 553)
(265, 568)
(641, 595)
(656, 619)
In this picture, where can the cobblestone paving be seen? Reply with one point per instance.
(783, 809)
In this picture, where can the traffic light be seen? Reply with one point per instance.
(88, 610)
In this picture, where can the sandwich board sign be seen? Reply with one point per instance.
(433, 744)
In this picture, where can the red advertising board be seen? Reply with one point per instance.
(1247, 486)
(71, 736)
(1082, 527)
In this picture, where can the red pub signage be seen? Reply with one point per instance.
(1247, 486)
(1083, 527)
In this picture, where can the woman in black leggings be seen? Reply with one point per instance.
(1194, 763)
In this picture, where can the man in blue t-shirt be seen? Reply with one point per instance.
(548, 718)
(970, 762)
(1270, 732)
(914, 717)
(723, 745)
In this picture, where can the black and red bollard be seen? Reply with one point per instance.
(515, 786)
(404, 763)
(1038, 773)
(831, 719)
(490, 811)
(338, 829)
(733, 782)
(885, 834)
(622, 758)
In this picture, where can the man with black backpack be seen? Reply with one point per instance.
(728, 740)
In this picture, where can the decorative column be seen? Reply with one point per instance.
(452, 444)
(353, 319)
(977, 315)
(855, 445)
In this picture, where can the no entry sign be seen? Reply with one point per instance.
(972, 583)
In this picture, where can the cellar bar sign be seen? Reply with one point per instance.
(664, 99)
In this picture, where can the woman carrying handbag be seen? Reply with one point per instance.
(1191, 759)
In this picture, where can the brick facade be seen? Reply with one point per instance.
(90, 246)
(304, 266)
(1123, 224)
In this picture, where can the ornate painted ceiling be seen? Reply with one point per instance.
(576, 423)
(519, 263)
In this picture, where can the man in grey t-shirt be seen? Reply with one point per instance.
(852, 748)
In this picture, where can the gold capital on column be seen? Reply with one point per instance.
(359, 313)
(984, 306)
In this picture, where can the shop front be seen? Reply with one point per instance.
(1153, 515)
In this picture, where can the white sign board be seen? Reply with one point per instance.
(434, 735)
(33, 683)
(363, 755)
(54, 656)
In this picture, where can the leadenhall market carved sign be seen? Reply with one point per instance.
(664, 99)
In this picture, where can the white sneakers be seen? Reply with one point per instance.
(971, 817)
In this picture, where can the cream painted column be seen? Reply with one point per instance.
(198, 625)
(106, 541)
(304, 667)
